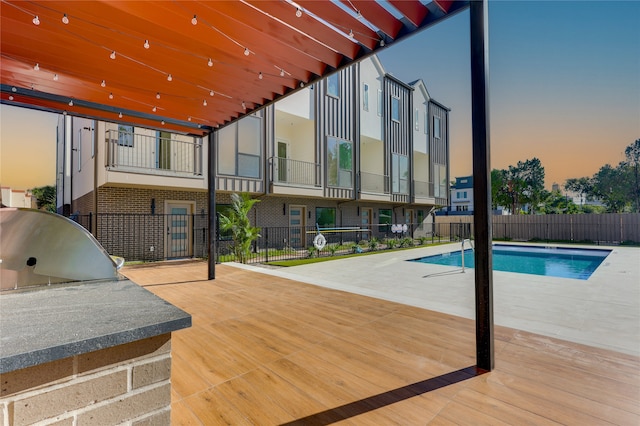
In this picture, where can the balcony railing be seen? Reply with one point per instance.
(374, 183)
(294, 172)
(423, 189)
(154, 155)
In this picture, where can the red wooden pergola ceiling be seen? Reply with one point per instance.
(189, 66)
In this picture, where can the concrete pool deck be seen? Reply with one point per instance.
(603, 311)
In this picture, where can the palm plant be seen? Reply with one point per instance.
(237, 222)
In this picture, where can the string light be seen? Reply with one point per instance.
(302, 84)
(204, 102)
(113, 55)
(189, 118)
(65, 19)
(351, 34)
(246, 51)
(71, 102)
(211, 93)
(154, 109)
(120, 115)
(281, 73)
(110, 95)
(244, 106)
(158, 95)
(382, 42)
(55, 77)
(210, 62)
(298, 12)
(162, 122)
(10, 97)
(260, 75)
(36, 20)
(169, 77)
(103, 83)
(194, 20)
(146, 44)
(36, 67)
(14, 89)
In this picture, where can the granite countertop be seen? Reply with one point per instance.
(47, 324)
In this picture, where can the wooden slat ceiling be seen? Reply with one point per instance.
(207, 62)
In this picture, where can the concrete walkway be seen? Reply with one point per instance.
(603, 311)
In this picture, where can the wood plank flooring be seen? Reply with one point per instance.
(265, 350)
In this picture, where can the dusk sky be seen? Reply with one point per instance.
(565, 88)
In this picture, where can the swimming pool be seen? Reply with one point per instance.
(549, 261)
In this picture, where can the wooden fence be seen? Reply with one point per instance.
(610, 228)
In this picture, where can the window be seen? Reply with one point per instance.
(333, 85)
(440, 180)
(395, 109)
(365, 97)
(400, 174)
(384, 220)
(464, 194)
(436, 127)
(326, 217)
(339, 163)
(240, 148)
(380, 102)
(417, 119)
(458, 195)
(125, 135)
(426, 123)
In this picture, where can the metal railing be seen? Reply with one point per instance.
(153, 155)
(373, 183)
(294, 172)
(423, 189)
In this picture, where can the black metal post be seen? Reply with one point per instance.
(211, 173)
(479, 30)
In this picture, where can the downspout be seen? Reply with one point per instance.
(211, 186)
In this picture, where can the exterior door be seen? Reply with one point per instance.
(297, 226)
(179, 230)
(163, 151)
(366, 220)
(283, 164)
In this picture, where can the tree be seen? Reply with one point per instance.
(632, 154)
(528, 177)
(582, 186)
(45, 197)
(612, 185)
(237, 222)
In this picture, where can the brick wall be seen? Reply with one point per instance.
(83, 205)
(127, 383)
(138, 200)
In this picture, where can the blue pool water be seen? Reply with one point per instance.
(548, 261)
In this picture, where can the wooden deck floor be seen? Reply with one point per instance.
(265, 350)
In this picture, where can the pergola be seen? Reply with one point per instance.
(194, 66)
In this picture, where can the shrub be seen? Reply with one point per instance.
(373, 244)
(391, 243)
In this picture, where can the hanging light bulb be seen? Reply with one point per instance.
(302, 84)
(36, 67)
(162, 122)
(204, 102)
(281, 72)
(244, 106)
(154, 109)
(110, 95)
(10, 97)
(36, 20)
(14, 89)
(103, 83)
(211, 93)
(351, 34)
(246, 51)
(71, 102)
(189, 118)
(169, 77)
(194, 20)
(158, 95)
(120, 115)
(146, 44)
(113, 55)
(65, 19)
(298, 12)
(55, 77)
(382, 42)
(260, 75)
(210, 62)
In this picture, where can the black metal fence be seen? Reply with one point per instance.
(145, 237)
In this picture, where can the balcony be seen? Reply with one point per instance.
(139, 153)
(374, 183)
(294, 172)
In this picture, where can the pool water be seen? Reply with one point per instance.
(549, 261)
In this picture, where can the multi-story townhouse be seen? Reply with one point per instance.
(359, 148)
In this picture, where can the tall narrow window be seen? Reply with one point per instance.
(436, 127)
(400, 174)
(365, 96)
(380, 102)
(395, 109)
(333, 85)
(339, 163)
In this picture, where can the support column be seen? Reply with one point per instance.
(211, 177)
(479, 40)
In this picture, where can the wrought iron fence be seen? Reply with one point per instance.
(145, 237)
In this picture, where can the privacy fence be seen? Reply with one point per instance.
(145, 237)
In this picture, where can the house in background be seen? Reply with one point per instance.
(16, 198)
(360, 148)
